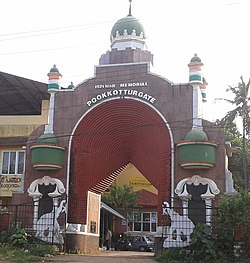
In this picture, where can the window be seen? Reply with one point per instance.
(13, 162)
(92, 227)
(145, 221)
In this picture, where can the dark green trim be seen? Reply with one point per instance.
(200, 155)
(195, 77)
(45, 157)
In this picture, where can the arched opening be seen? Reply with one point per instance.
(197, 194)
(111, 136)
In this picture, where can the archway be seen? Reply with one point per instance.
(110, 136)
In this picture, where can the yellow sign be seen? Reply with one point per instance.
(139, 182)
(10, 184)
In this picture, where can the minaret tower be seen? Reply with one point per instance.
(46, 154)
(53, 87)
(196, 80)
(197, 151)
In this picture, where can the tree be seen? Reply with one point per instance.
(242, 110)
(233, 135)
(121, 198)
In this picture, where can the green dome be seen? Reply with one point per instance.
(71, 86)
(47, 139)
(195, 58)
(54, 69)
(128, 23)
(196, 135)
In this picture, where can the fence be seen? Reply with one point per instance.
(46, 221)
(42, 220)
(179, 222)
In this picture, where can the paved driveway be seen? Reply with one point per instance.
(106, 257)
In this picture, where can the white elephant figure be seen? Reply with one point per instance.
(47, 227)
(178, 234)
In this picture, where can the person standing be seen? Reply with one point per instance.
(108, 237)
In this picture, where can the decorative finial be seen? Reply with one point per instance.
(130, 13)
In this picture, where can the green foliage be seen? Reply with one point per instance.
(4, 236)
(242, 155)
(31, 253)
(121, 198)
(206, 246)
(42, 250)
(234, 212)
(242, 110)
(171, 255)
(240, 103)
(16, 255)
(16, 247)
(18, 238)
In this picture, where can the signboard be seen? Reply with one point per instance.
(140, 182)
(10, 184)
(121, 90)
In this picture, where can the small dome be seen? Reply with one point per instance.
(54, 69)
(196, 135)
(47, 139)
(71, 86)
(195, 58)
(130, 24)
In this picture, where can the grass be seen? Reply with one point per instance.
(18, 246)
(174, 255)
(32, 254)
(17, 255)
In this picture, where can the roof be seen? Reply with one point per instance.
(146, 198)
(111, 210)
(21, 96)
(17, 141)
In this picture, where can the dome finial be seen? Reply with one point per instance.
(130, 13)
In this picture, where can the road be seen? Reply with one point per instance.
(101, 257)
(106, 257)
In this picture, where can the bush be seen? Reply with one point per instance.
(4, 236)
(208, 246)
(18, 238)
(234, 212)
(18, 246)
(205, 247)
(41, 250)
(170, 255)
(16, 255)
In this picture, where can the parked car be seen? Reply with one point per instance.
(123, 243)
(142, 243)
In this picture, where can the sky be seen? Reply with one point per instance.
(35, 35)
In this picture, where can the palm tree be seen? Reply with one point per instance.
(242, 110)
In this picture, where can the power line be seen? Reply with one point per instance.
(57, 30)
(72, 27)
